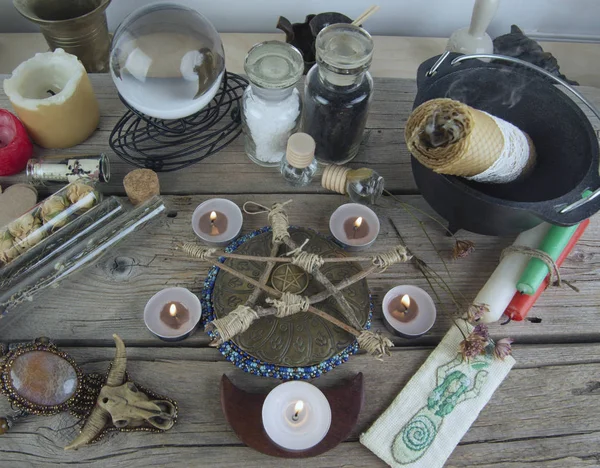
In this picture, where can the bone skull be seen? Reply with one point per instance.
(124, 404)
(129, 407)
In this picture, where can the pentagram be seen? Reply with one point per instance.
(289, 278)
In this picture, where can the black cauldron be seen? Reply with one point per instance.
(566, 144)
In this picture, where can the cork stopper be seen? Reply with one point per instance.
(140, 185)
(335, 178)
(300, 151)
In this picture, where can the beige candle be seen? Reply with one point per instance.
(52, 95)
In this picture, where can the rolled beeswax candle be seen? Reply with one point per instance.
(500, 288)
(52, 95)
(521, 303)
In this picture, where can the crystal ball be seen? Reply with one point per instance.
(167, 61)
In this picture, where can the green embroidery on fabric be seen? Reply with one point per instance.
(453, 386)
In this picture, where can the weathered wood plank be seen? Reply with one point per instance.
(546, 397)
(111, 295)
(383, 148)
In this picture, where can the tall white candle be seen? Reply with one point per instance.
(500, 288)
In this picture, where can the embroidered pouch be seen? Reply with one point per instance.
(428, 418)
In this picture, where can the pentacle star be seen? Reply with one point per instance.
(289, 278)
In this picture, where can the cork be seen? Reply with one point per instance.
(140, 185)
(335, 178)
(300, 151)
(15, 201)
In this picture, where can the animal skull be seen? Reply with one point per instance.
(129, 407)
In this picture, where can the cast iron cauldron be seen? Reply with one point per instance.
(566, 145)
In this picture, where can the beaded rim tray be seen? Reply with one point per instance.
(243, 350)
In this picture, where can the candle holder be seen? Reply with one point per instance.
(170, 145)
(422, 317)
(354, 226)
(217, 221)
(163, 324)
(243, 411)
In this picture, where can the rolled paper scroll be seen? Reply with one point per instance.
(521, 304)
(452, 138)
(500, 288)
(52, 95)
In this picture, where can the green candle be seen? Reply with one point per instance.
(553, 244)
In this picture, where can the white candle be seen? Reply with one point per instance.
(180, 323)
(296, 415)
(500, 288)
(355, 226)
(217, 221)
(425, 311)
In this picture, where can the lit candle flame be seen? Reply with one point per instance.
(213, 216)
(173, 310)
(297, 409)
(358, 222)
(405, 301)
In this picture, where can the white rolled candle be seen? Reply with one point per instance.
(500, 288)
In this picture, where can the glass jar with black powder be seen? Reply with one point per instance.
(338, 92)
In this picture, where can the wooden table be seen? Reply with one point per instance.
(544, 414)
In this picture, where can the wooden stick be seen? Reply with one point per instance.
(264, 277)
(367, 13)
(275, 259)
(277, 295)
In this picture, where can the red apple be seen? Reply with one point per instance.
(15, 145)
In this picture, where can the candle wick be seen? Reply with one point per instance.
(296, 416)
(52, 93)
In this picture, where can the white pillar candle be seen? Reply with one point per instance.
(296, 415)
(500, 288)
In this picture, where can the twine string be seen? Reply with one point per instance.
(307, 261)
(397, 255)
(375, 343)
(197, 250)
(289, 304)
(555, 279)
(234, 323)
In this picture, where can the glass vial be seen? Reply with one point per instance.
(362, 185)
(299, 165)
(68, 169)
(271, 105)
(338, 92)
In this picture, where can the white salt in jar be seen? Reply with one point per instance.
(271, 105)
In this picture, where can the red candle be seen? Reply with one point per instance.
(521, 304)
(15, 145)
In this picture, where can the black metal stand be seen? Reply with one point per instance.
(169, 145)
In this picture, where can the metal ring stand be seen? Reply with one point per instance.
(170, 145)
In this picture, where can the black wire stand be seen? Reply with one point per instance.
(170, 145)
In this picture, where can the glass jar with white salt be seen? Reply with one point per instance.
(271, 105)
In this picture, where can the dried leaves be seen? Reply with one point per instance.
(478, 342)
(462, 249)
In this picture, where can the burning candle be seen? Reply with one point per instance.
(217, 221)
(354, 226)
(408, 311)
(296, 415)
(172, 314)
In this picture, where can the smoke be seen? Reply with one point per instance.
(489, 88)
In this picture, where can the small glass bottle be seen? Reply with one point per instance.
(362, 185)
(271, 105)
(338, 92)
(299, 165)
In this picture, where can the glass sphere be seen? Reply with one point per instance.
(167, 60)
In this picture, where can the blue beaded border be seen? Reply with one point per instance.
(250, 364)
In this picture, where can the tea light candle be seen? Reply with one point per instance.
(172, 314)
(52, 95)
(296, 415)
(355, 226)
(217, 221)
(408, 311)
